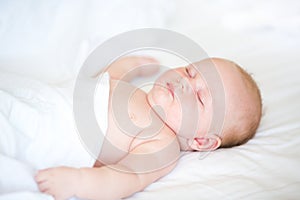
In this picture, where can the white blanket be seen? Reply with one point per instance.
(37, 131)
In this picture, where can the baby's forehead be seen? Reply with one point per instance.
(219, 70)
(222, 78)
(216, 73)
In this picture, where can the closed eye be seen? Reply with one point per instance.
(190, 72)
(187, 72)
(200, 98)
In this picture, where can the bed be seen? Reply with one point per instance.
(42, 49)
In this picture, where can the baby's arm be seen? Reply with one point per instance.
(128, 68)
(114, 181)
(123, 179)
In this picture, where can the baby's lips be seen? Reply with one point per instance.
(170, 87)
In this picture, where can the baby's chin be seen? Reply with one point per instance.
(150, 98)
(159, 96)
(152, 101)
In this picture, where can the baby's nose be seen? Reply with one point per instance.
(186, 83)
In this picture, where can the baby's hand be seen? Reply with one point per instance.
(60, 182)
(128, 68)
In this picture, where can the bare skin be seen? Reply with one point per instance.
(157, 137)
(100, 182)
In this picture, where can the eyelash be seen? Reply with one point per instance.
(187, 72)
(200, 100)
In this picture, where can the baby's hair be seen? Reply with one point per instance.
(237, 135)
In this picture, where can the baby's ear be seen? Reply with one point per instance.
(206, 143)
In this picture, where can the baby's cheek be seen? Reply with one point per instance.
(189, 114)
(161, 98)
(187, 105)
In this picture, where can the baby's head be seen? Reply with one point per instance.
(188, 104)
(243, 104)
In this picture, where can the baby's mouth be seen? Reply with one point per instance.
(170, 87)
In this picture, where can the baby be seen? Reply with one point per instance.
(176, 114)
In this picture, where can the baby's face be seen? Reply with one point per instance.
(185, 98)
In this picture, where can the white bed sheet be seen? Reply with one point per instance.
(264, 38)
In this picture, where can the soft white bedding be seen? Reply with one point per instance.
(262, 36)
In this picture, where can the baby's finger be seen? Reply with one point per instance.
(40, 176)
(43, 186)
(147, 66)
(149, 69)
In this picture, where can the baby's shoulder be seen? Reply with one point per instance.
(134, 114)
(129, 103)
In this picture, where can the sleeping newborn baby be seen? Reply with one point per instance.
(177, 114)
